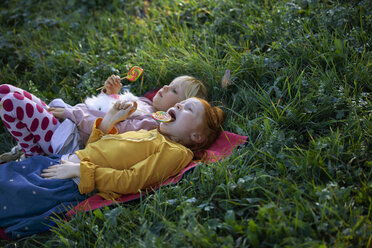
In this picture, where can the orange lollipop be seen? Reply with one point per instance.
(134, 73)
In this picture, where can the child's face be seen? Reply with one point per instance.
(187, 121)
(170, 94)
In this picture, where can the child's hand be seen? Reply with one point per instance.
(119, 112)
(64, 170)
(57, 112)
(112, 85)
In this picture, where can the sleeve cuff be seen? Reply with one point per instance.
(87, 172)
(97, 122)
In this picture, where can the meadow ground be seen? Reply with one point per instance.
(301, 91)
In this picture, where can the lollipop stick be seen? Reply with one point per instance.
(141, 84)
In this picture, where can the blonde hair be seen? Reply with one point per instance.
(212, 121)
(195, 88)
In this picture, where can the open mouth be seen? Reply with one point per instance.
(172, 115)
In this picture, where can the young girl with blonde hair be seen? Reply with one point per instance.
(35, 127)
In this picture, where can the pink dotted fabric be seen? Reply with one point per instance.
(27, 119)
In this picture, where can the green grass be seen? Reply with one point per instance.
(301, 91)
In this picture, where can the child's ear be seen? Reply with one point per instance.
(197, 137)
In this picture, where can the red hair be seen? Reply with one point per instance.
(212, 121)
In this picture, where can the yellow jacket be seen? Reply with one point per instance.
(117, 164)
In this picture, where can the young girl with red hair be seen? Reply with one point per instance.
(111, 165)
